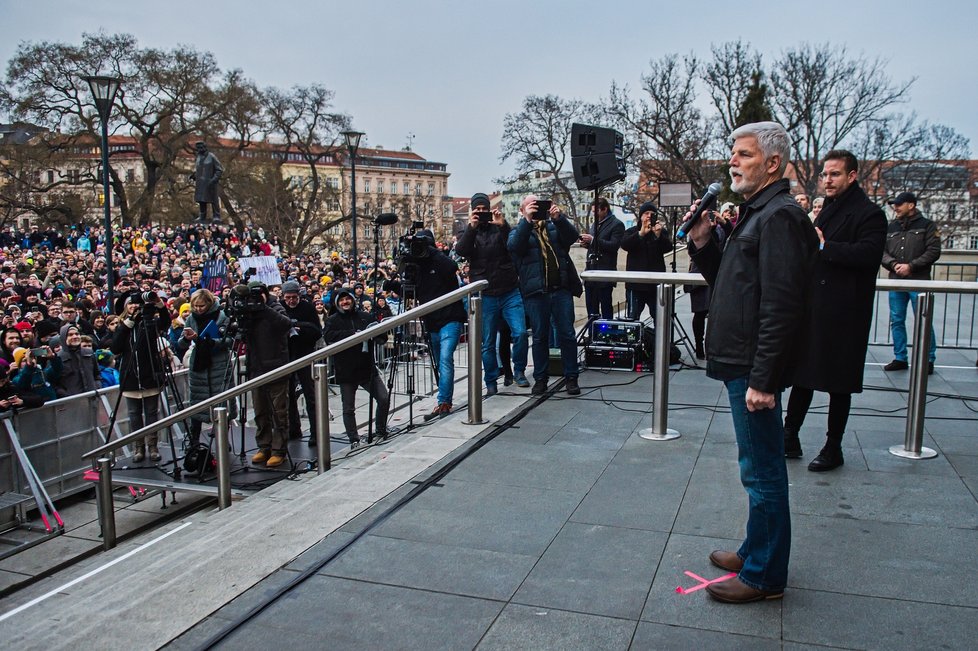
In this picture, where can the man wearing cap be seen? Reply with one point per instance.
(483, 244)
(851, 230)
(913, 245)
(303, 336)
(646, 243)
(602, 242)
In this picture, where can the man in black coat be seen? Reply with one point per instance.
(303, 336)
(602, 242)
(354, 367)
(646, 243)
(851, 231)
(483, 244)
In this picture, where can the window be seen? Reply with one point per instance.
(380, 187)
(333, 183)
(366, 230)
(952, 211)
(130, 175)
(366, 185)
(407, 187)
(431, 188)
(973, 242)
(949, 242)
(393, 187)
(50, 176)
(974, 212)
(417, 188)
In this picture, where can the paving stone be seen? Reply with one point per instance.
(965, 442)
(714, 503)
(697, 609)
(876, 453)
(484, 516)
(883, 559)
(966, 465)
(430, 566)
(49, 554)
(358, 615)
(681, 638)
(595, 569)
(320, 551)
(524, 627)
(8, 579)
(850, 621)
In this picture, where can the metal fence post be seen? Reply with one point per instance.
(220, 415)
(660, 378)
(323, 453)
(475, 360)
(913, 443)
(106, 507)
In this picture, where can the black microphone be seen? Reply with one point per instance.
(706, 203)
(385, 219)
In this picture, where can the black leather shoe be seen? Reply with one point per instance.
(572, 387)
(728, 561)
(539, 388)
(735, 591)
(896, 365)
(792, 444)
(829, 458)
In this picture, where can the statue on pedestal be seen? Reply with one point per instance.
(207, 172)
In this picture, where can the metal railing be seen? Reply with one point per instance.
(912, 447)
(102, 461)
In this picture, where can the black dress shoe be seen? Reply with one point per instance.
(829, 458)
(792, 444)
(725, 560)
(736, 591)
(572, 387)
(896, 365)
(539, 388)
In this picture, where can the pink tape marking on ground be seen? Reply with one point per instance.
(702, 582)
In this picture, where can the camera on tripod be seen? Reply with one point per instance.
(244, 301)
(412, 247)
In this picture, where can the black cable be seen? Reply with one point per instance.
(420, 488)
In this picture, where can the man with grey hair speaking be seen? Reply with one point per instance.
(760, 284)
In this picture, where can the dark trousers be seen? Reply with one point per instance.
(376, 389)
(597, 299)
(271, 405)
(638, 300)
(215, 210)
(801, 399)
(303, 378)
(505, 352)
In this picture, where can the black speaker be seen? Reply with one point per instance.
(587, 139)
(597, 171)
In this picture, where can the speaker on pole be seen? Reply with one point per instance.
(597, 156)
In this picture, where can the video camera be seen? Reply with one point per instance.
(244, 302)
(411, 246)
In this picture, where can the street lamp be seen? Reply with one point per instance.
(104, 90)
(352, 144)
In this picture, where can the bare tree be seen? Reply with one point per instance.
(537, 140)
(726, 79)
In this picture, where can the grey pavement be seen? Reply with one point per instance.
(565, 531)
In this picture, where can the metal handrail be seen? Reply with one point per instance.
(286, 370)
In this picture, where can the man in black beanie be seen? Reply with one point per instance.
(646, 243)
(483, 244)
(303, 336)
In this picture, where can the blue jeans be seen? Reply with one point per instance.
(898, 325)
(510, 307)
(558, 304)
(760, 452)
(443, 345)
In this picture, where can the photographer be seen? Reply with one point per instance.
(266, 335)
(540, 246)
(303, 337)
(209, 357)
(437, 276)
(141, 358)
(12, 397)
(646, 243)
(355, 366)
(27, 374)
(483, 244)
(602, 243)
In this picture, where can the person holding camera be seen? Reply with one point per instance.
(354, 367)
(646, 244)
(12, 397)
(266, 335)
(483, 244)
(28, 374)
(142, 376)
(437, 276)
(303, 337)
(602, 243)
(209, 359)
(540, 246)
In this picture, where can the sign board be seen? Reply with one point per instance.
(675, 195)
(265, 266)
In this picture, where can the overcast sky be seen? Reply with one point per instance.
(448, 71)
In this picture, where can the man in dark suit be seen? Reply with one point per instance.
(602, 242)
(851, 230)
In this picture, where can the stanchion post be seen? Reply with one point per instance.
(475, 360)
(660, 380)
(323, 453)
(220, 416)
(106, 507)
(913, 442)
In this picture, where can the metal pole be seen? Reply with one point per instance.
(323, 453)
(353, 200)
(106, 508)
(913, 447)
(475, 361)
(660, 379)
(109, 276)
(223, 458)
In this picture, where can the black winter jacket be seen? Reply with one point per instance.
(438, 275)
(525, 248)
(485, 248)
(307, 329)
(142, 369)
(760, 290)
(353, 365)
(603, 252)
(267, 339)
(914, 241)
(645, 253)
